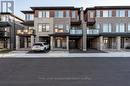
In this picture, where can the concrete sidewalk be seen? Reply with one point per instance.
(61, 54)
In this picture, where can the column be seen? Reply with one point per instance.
(84, 27)
(101, 42)
(84, 36)
(118, 39)
(67, 42)
(17, 42)
(32, 40)
(37, 39)
(8, 43)
(25, 42)
(51, 43)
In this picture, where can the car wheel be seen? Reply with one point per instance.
(45, 50)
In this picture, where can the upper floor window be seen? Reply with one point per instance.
(67, 13)
(43, 27)
(29, 17)
(4, 18)
(91, 14)
(59, 28)
(128, 13)
(73, 14)
(44, 14)
(58, 14)
(120, 13)
(107, 27)
(120, 27)
(107, 13)
(98, 13)
(129, 27)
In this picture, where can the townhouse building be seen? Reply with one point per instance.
(61, 27)
(68, 27)
(108, 27)
(9, 24)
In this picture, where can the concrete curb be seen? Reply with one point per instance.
(62, 55)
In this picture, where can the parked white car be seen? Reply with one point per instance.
(40, 46)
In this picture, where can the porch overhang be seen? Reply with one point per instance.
(115, 34)
(59, 34)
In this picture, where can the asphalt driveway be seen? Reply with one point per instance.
(65, 72)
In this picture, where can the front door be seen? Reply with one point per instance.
(58, 42)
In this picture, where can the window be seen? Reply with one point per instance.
(107, 13)
(43, 27)
(67, 14)
(40, 14)
(129, 27)
(128, 13)
(4, 18)
(29, 17)
(58, 14)
(40, 27)
(120, 13)
(61, 28)
(120, 27)
(67, 28)
(98, 13)
(91, 14)
(73, 14)
(107, 27)
(44, 14)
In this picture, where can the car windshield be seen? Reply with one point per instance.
(38, 44)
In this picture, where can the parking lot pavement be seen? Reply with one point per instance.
(65, 72)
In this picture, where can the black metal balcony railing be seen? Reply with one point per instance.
(76, 32)
(93, 31)
(89, 32)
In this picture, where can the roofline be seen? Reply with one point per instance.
(8, 13)
(107, 7)
(27, 11)
(55, 8)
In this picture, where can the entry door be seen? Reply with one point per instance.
(58, 43)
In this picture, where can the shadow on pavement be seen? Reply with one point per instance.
(37, 52)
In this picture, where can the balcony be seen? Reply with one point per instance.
(61, 31)
(76, 32)
(4, 34)
(26, 32)
(93, 32)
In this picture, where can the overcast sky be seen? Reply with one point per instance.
(26, 4)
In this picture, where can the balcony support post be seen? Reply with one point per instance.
(32, 40)
(25, 42)
(51, 43)
(67, 42)
(84, 37)
(17, 42)
(8, 43)
(118, 39)
(101, 42)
